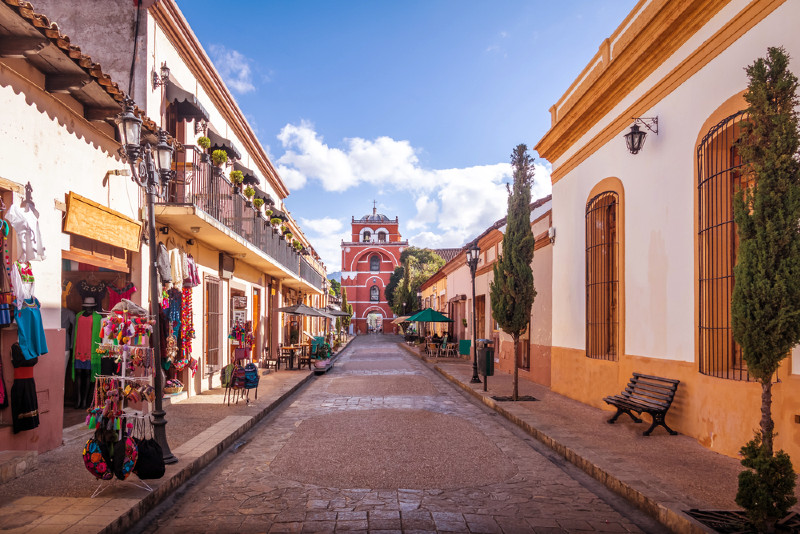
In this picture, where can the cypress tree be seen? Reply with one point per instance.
(765, 306)
(347, 308)
(512, 291)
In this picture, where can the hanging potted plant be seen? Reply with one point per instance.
(268, 213)
(275, 222)
(237, 177)
(257, 203)
(204, 143)
(219, 158)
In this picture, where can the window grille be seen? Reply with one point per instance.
(602, 277)
(375, 263)
(719, 178)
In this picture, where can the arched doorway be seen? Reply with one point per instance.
(374, 322)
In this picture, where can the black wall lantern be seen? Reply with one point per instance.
(636, 137)
(164, 78)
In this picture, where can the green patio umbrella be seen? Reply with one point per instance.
(429, 315)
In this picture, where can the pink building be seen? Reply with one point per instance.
(368, 261)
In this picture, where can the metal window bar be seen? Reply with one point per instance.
(602, 277)
(719, 178)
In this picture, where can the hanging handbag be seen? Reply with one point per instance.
(7, 307)
(150, 463)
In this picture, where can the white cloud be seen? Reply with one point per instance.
(322, 226)
(452, 205)
(234, 67)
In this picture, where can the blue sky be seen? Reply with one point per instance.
(414, 104)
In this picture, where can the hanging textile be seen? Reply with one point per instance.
(30, 330)
(162, 263)
(94, 336)
(3, 390)
(24, 404)
(23, 282)
(116, 294)
(95, 290)
(176, 266)
(187, 334)
(29, 238)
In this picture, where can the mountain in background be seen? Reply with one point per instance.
(335, 276)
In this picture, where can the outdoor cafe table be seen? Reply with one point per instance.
(293, 349)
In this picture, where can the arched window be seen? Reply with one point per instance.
(375, 263)
(719, 178)
(602, 277)
(381, 237)
(374, 293)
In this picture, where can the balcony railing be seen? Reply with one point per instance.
(196, 184)
(309, 274)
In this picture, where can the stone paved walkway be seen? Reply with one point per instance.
(383, 444)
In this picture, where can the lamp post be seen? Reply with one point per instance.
(151, 167)
(473, 255)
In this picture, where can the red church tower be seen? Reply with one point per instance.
(368, 260)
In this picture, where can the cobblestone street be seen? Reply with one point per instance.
(383, 444)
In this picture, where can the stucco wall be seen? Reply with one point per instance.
(48, 143)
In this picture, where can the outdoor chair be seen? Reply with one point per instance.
(267, 361)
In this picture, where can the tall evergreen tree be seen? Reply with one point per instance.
(512, 291)
(765, 306)
(347, 308)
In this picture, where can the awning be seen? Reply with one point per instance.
(250, 177)
(401, 319)
(186, 104)
(279, 214)
(220, 143)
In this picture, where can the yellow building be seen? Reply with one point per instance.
(643, 263)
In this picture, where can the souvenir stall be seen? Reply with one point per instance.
(179, 275)
(122, 400)
(21, 247)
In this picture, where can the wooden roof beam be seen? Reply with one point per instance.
(65, 83)
(14, 46)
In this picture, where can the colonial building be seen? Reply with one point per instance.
(368, 261)
(643, 264)
(248, 266)
(449, 291)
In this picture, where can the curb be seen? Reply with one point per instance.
(673, 519)
(124, 522)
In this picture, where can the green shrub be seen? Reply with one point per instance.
(237, 177)
(249, 192)
(258, 202)
(275, 221)
(204, 142)
(219, 157)
(767, 492)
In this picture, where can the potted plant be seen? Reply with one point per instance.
(218, 158)
(249, 192)
(257, 203)
(288, 235)
(237, 177)
(464, 321)
(204, 143)
(268, 213)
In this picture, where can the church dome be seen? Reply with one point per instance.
(375, 217)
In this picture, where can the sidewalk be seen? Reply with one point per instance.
(664, 475)
(56, 496)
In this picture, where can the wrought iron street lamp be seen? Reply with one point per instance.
(473, 256)
(151, 168)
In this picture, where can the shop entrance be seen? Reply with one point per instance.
(95, 277)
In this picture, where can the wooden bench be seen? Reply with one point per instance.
(645, 393)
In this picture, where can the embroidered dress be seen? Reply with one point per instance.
(23, 282)
(116, 294)
(83, 342)
(176, 267)
(29, 238)
(30, 330)
(24, 404)
(96, 290)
